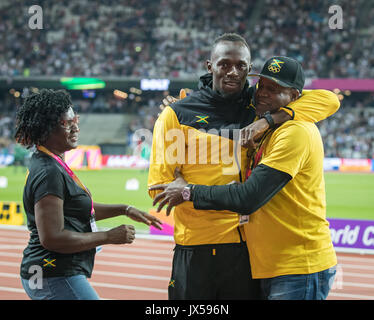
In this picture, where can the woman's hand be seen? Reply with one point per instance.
(122, 234)
(172, 192)
(141, 216)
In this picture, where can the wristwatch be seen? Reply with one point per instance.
(187, 192)
(269, 119)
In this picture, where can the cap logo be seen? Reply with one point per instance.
(275, 66)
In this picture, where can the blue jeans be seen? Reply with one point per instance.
(314, 286)
(61, 288)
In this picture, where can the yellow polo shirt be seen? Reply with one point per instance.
(290, 234)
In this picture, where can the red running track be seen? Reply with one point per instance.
(141, 271)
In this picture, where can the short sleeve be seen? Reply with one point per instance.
(48, 182)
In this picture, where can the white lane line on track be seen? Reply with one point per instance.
(111, 273)
(149, 277)
(140, 276)
(155, 243)
(150, 258)
(139, 235)
(357, 275)
(131, 265)
(123, 287)
(356, 266)
(137, 288)
(357, 259)
(9, 289)
(11, 254)
(98, 284)
(350, 296)
(100, 272)
(98, 261)
(10, 264)
(133, 256)
(14, 235)
(9, 275)
(112, 250)
(129, 275)
(7, 241)
(11, 246)
(134, 248)
(101, 254)
(146, 244)
(358, 285)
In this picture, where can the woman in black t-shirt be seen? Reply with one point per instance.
(60, 211)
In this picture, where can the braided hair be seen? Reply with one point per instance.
(39, 116)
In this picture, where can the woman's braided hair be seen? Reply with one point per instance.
(39, 116)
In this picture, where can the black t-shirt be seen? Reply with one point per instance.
(48, 177)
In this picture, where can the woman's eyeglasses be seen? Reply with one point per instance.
(67, 124)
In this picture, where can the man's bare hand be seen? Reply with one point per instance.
(251, 134)
(171, 194)
(169, 99)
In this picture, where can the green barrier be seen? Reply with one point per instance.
(11, 213)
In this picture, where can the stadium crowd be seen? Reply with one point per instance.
(350, 132)
(171, 38)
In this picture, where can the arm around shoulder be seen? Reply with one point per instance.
(315, 105)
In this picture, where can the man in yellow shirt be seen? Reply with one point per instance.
(196, 133)
(288, 237)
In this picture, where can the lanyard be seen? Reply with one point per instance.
(70, 173)
(256, 154)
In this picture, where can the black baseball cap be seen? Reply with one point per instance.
(285, 71)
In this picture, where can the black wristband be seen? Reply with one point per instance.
(269, 119)
(293, 112)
